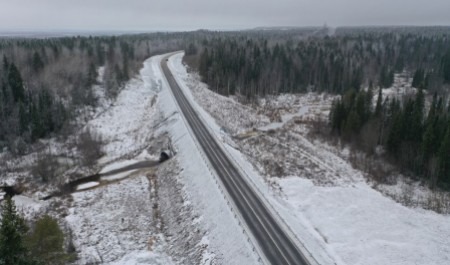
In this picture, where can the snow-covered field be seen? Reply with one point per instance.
(326, 203)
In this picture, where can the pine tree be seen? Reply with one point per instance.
(337, 116)
(15, 82)
(91, 75)
(5, 64)
(100, 53)
(12, 232)
(36, 63)
(379, 103)
(23, 119)
(417, 118)
(431, 134)
(352, 124)
(429, 143)
(444, 158)
(446, 67)
(396, 133)
(418, 79)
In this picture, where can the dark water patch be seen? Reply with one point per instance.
(10, 191)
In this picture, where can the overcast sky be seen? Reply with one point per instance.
(150, 15)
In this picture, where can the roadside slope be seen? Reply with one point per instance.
(224, 237)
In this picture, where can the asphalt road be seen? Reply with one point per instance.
(276, 245)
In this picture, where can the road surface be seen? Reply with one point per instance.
(276, 245)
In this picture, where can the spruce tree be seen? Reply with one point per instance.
(23, 119)
(446, 67)
(36, 63)
(428, 143)
(12, 232)
(418, 79)
(444, 159)
(15, 82)
(379, 103)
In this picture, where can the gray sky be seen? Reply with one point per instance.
(148, 15)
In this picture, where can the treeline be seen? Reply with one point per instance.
(257, 66)
(26, 116)
(43, 82)
(415, 139)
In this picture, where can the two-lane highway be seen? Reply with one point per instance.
(276, 245)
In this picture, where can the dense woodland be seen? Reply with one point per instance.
(417, 140)
(252, 67)
(43, 82)
(354, 63)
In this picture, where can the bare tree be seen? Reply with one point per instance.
(90, 146)
(46, 167)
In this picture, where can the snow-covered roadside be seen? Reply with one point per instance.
(114, 223)
(345, 221)
(303, 229)
(225, 238)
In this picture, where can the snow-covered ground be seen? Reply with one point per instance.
(113, 222)
(177, 213)
(326, 203)
(112, 225)
(174, 214)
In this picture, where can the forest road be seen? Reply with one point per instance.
(274, 243)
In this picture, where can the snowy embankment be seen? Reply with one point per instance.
(114, 223)
(225, 237)
(173, 214)
(325, 202)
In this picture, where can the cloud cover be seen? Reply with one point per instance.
(148, 15)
